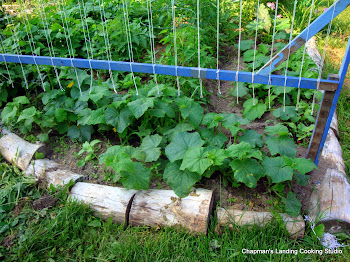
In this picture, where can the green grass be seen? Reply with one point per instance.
(70, 232)
(343, 112)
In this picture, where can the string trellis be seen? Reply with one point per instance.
(75, 60)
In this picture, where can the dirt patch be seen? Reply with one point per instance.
(46, 201)
(19, 206)
(7, 242)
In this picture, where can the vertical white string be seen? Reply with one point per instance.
(304, 52)
(86, 38)
(129, 41)
(239, 47)
(322, 61)
(17, 50)
(217, 42)
(199, 54)
(63, 14)
(151, 40)
(5, 62)
(255, 46)
(30, 39)
(90, 44)
(48, 40)
(175, 44)
(106, 38)
(272, 46)
(287, 63)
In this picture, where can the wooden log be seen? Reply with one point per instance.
(106, 201)
(330, 200)
(164, 208)
(51, 172)
(294, 225)
(18, 151)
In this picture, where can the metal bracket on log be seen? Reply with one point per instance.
(321, 121)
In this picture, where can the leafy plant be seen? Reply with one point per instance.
(90, 150)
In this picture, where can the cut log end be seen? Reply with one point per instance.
(18, 151)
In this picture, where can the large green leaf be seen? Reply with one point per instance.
(191, 110)
(253, 110)
(27, 114)
(253, 138)
(162, 109)
(22, 100)
(182, 127)
(247, 171)
(150, 147)
(8, 113)
(285, 113)
(97, 117)
(231, 119)
(195, 160)
(217, 141)
(238, 150)
(277, 170)
(181, 181)
(282, 145)
(84, 116)
(138, 179)
(211, 120)
(180, 143)
(61, 114)
(292, 204)
(304, 165)
(278, 129)
(82, 133)
(217, 156)
(140, 106)
(119, 119)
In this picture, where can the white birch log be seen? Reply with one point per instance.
(51, 172)
(330, 199)
(294, 225)
(18, 151)
(164, 208)
(106, 201)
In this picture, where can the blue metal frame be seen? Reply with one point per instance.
(342, 75)
(205, 73)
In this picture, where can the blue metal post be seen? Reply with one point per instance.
(342, 75)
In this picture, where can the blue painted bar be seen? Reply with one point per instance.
(342, 75)
(206, 73)
(315, 27)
